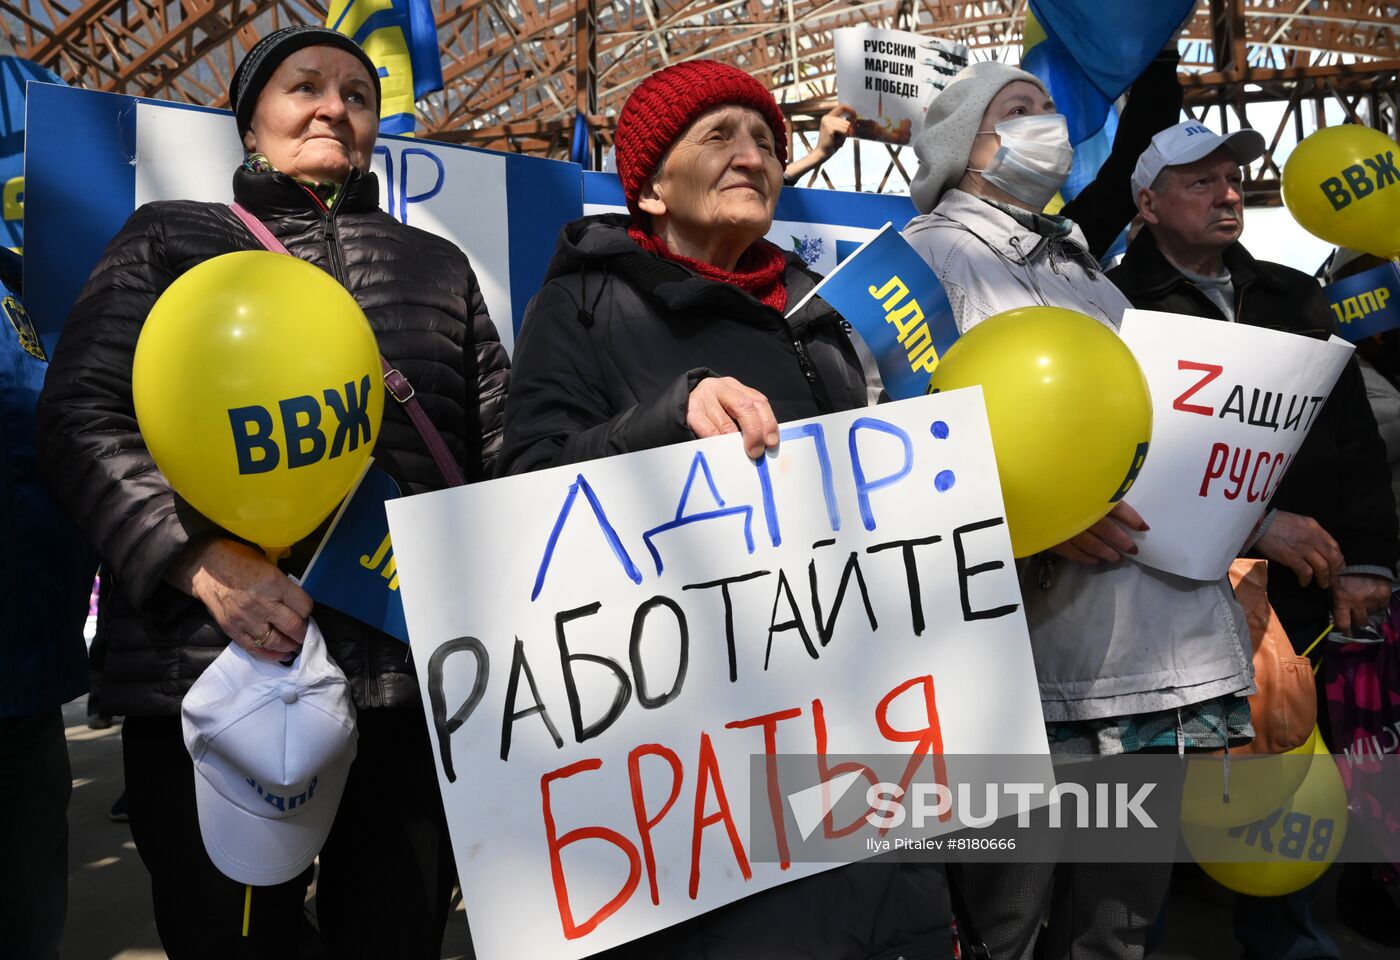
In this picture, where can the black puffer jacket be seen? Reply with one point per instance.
(426, 308)
(608, 353)
(614, 342)
(1341, 477)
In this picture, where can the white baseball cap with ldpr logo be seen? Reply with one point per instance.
(1188, 142)
(272, 747)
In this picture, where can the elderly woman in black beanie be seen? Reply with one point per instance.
(177, 589)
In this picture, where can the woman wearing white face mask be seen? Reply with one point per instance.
(1033, 155)
(1128, 659)
(992, 153)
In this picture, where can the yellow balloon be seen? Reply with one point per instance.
(1343, 185)
(1070, 414)
(1258, 785)
(258, 391)
(1290, 847)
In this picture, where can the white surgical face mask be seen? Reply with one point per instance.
(1033, 160)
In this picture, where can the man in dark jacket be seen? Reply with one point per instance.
(1330, 530)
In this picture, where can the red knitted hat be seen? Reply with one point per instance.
(667, 102)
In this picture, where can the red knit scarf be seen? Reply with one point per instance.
(759, 271)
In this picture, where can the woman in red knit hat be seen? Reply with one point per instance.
(665, 325)
(684, 295)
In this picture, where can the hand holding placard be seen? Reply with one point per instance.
(890, 76)
(605, 648)
(719, 405)
(1107, 541)
(1300, 544)
(1069, 413)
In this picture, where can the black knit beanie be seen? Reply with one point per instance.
(267, 54)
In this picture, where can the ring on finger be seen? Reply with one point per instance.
(262, 641)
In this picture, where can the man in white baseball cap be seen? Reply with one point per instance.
(1189, 191)
(1188, 142)
(1330, 532)
(272, 747)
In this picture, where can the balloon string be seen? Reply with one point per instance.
(247, 906)
(1314, 644)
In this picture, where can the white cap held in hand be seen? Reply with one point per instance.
(272, 747)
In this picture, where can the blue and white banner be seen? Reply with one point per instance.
(354, 569)
(1366, 303)
(894, 301)
(94, 157)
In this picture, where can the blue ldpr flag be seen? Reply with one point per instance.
(15, 75)
(1093, 51)
(401, 39)
(1085, 109)
(1366, 303)
(895, 302)
(1111, 42)
(354, 570)
(581, 146)
(423, 49)
(1089, 157)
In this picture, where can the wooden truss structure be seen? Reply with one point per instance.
(517, 72)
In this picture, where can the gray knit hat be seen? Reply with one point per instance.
(953, 119)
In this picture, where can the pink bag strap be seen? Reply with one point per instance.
(395, 382)
(258, 229)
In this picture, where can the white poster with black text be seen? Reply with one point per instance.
(603, 647)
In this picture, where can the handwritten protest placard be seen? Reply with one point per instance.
(889, 76)
(603, 647)
(1231, 405)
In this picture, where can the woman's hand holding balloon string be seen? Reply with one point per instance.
(254, 603)
(1107, 541)
(1070, 414)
